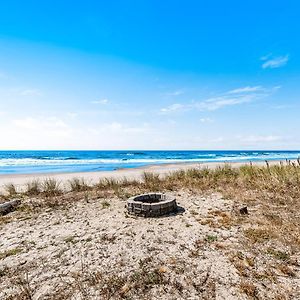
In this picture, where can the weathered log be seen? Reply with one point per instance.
(8, 207)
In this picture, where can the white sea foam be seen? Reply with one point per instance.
(8, 162)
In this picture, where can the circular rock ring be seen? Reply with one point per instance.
(151, 205)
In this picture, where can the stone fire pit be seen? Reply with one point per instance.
(151, 205)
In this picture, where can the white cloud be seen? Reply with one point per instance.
(246, 89)
(170, 122)
(54, 133)
(101, 101)
(259, 139)
(72, 114)
(285, 106)
(230, 98)
(206, 120)
(173, 108)
(274, 62)
(30, 92)
(119, 128)
(36, 133)
(219, 139)
(223, 101)
(175, 93)
(253, 141)
(40, 124)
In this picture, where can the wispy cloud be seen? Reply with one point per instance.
(256, 141)
(72, 114)
(119, 128)
(285, 106)
(101, 101)
(40, 128)
(174, 107)
(206, 120)
(223, 101)
(49, 123)
(262, 139)
(230, 98)
(30, 92)
(272, 62)
(246, 89)
(174, 93)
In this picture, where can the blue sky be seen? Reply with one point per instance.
(149, 74)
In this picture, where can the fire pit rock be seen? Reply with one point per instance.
(151, 205)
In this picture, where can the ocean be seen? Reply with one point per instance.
(25, 162)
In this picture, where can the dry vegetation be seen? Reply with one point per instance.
(210, 251)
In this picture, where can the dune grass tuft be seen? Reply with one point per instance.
(33, 188)
(51, 187)
(10, 252)
(151, 181)
(79, 185)
(10, 189)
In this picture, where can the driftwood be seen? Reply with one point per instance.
(8, 207)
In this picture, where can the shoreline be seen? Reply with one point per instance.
(131, 173)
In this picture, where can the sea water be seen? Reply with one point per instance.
(24, 162)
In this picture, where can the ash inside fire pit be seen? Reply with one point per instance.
(151, 205)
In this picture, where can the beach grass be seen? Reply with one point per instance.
(33, 188)
(51, 187)
(10, 189)
(268, 237)
(78, 185)
(276, 187)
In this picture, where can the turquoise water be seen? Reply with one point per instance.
(24, 162)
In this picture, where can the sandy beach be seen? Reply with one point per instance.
(83, 244)
(135, 173)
